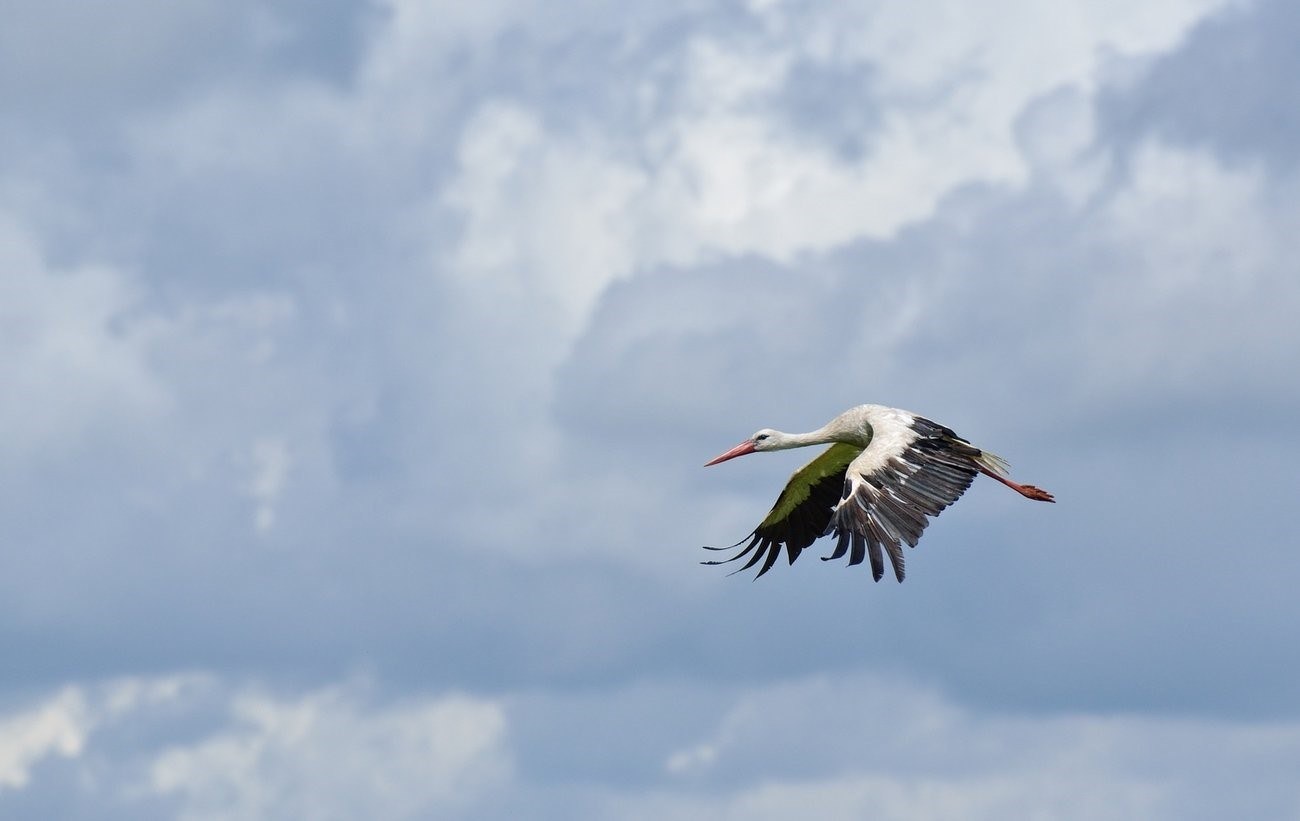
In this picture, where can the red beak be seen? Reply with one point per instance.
(744, 447)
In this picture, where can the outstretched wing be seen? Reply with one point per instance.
(802, 512)
(888, 494)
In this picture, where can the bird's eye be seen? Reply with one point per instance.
(760, 437)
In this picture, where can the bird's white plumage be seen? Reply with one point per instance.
(891, 433)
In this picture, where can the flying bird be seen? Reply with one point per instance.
(885, 472)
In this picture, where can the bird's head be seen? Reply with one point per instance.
(765, 439)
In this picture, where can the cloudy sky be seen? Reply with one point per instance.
(358, 361)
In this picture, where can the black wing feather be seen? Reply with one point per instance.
(891, 506)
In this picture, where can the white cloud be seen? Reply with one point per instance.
(270, 461)
(57, 727)
(1056, 134)
(837, 746)
(547, 223)
(327, 754)
(851, 747)
(951, 81)
(1204, 289)
(960, 799)
(1202, 222)
(418, 34)
(571, 208)
(63, 724)
(72, 356)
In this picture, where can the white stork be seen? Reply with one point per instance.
(885, 471)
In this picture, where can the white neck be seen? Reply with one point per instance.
(784, 441)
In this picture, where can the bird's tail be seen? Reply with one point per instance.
(993, 463)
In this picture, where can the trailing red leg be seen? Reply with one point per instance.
(1028, 491)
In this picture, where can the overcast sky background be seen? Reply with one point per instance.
(358, 362)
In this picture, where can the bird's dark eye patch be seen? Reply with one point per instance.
(760, 437)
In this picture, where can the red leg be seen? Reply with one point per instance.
(1028, 491)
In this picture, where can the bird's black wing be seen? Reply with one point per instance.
(802, 512)
(889, 504)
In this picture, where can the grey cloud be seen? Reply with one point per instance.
(202, 747)
(836, 101)
(470, 490)
(403, 415)
(62, 62)
(1223, 89)
(1032, 331)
